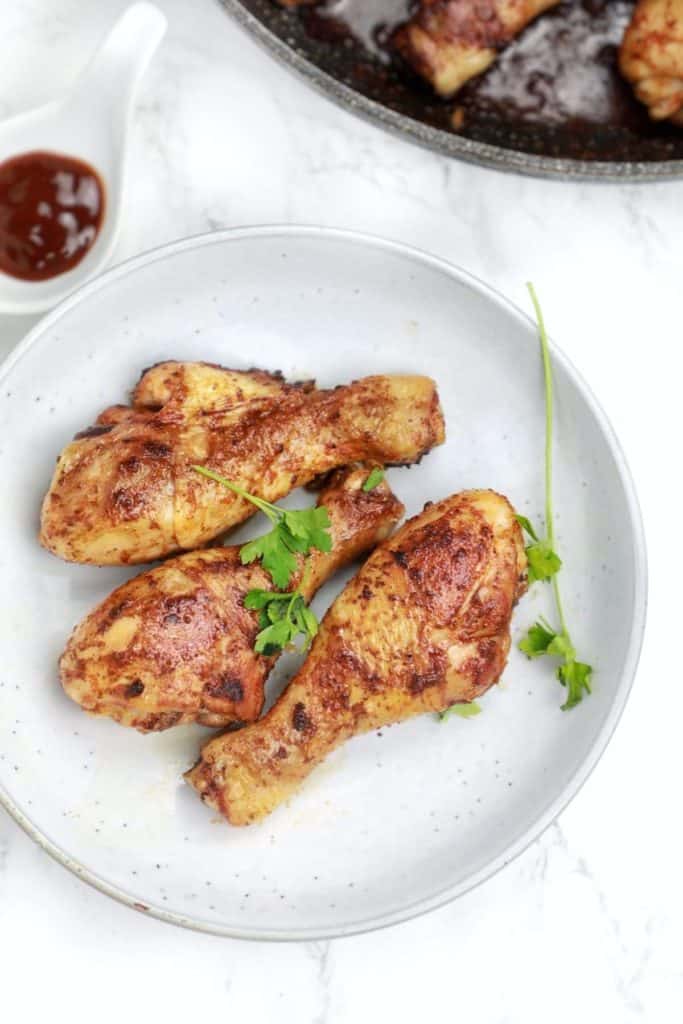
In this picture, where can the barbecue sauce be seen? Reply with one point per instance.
(51, 211)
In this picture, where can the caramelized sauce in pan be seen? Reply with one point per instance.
(369, 22)
(555, 90)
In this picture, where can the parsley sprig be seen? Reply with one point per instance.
(544, 562)
(373, 479)
(461, 710)
(294, 532)
(283, 614)
(282, 617)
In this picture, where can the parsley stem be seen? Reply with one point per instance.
(560, 610)
(548, 380)
(272, 511)
(295, 594)
(541, 638)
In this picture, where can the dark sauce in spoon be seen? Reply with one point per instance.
(51, 211)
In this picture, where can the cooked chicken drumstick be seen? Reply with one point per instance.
(126, 492)
(176, 644)
(651, 57)
(450, 41)
(424, 624)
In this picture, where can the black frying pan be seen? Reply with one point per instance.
(554, 104)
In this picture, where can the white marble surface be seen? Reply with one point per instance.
(586, 925)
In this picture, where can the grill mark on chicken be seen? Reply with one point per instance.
(226, 686)
(420, 681)
(127, 504)
(157, 449)
(300, 720)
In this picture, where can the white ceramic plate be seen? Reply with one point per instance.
(391, 825)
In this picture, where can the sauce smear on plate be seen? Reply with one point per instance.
(51, 210)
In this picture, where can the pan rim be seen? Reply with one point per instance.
(446, 143)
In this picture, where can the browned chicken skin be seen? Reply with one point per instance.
(424, 624)
(450, 41)
(651, 57)
(126, 491)
(176, 644)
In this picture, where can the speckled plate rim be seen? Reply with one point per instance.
(555, 806)
(448, 143)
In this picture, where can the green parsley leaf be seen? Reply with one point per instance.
(309, 621)
(257, 599)
(276, 557)
(561, 647)
(282, 617)
(374, 478)
(545, 563)
(461, 710)
(274, 637)
(311, 526)
(294, 532)
(576, 676)
(542, 639)
(537, 641)
(527, 527)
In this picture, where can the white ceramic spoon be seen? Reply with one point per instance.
(90, 123)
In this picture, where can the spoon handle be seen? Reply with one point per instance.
(110, 79)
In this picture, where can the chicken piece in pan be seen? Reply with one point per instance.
(424, 624)
(127, 492)
(651, 57)
(176, 644)
(448, 42)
